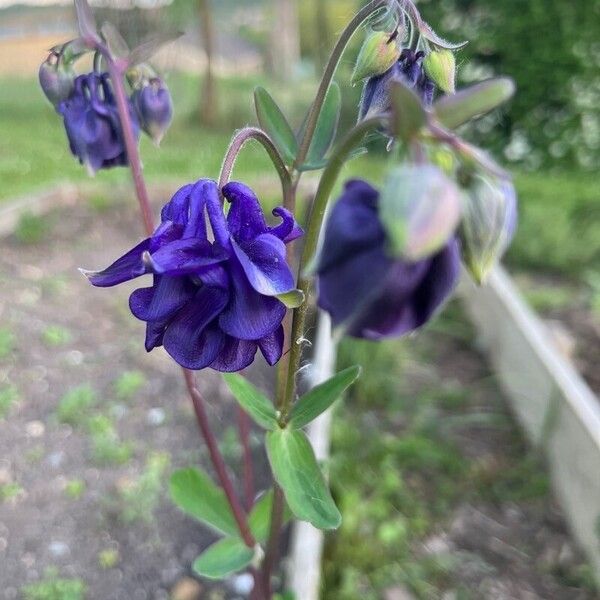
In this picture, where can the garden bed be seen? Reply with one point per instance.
(91, 424)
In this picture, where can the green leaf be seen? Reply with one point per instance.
(195, 493)
(321, 397)
(321, 164)
(292, 299)
(275, 124)
(378, 53)
(326, 125)
(259, 518)
(254, 402)
(457, 109)
(223, 558)
(408, 114)
(295, 469)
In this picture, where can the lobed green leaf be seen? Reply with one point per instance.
(252, 400)
(321, 397)
(196, 495)
(296, 470)
(273, 121)
(223, 558)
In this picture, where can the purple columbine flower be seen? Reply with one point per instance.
(408, 69)
(92, 123)
(212, 303)
(371, 294)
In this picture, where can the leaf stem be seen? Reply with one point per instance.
(332, 63)
(326, 185)
(235, 146)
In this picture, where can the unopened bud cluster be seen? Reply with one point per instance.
(89, 109)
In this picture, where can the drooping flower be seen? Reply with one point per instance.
(154, 108)
(366, 291)
(212, 303)
(408, 69)
(92, 123)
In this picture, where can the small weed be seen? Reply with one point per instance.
(108, 559)
(74, 406)
(7, 343)
(55, 335)
(8, 398)
(128, 384)
(107, 449)
(75, 488)
(548, 298)
(53, 587)
(9, 491)
(31, 229)
(102, 202)
(139, 499)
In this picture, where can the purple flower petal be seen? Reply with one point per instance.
(195, 224)
(288, 230)
(128, 267)
(263, 261)
(410, 295)
(155, 330)
(163, 299)
(185, 257)
(191, 339)
(245, 218)
(235, 355)
(249, 315)
(177, 208)
(166, 232)
(271, 346)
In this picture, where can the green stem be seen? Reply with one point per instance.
(311, 240)
(332, 63)
(237, 143)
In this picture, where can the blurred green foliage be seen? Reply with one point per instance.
(53, 587)
(550, 48)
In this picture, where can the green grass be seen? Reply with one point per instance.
(8, 398)
(7, 342)
(128, 384)
(53, 587)
(73, 408)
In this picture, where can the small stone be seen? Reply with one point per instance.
(186, 589)
(35, 429)
(397, 593)
(563, 339)
(56, 458)
(5, 476)
(58, 549)
(156, 416)
(438, 544)
(242, 583)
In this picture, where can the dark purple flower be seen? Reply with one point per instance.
(371, 294)
(407, 70)
(154, 108)
(212, 303)
(92, 123)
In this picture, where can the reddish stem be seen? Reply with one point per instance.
(217, 460)
(116, 71)
(244, 430)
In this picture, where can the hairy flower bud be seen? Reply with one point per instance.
(154, 108)
(440, 67)
(56, 79)
(378, 53)
(408, 69)
(489, 223)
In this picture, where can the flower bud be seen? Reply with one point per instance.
(408, 69)
(378, 53)
(153, 105)
(56, 79)
(488, 225)
(440, 67)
